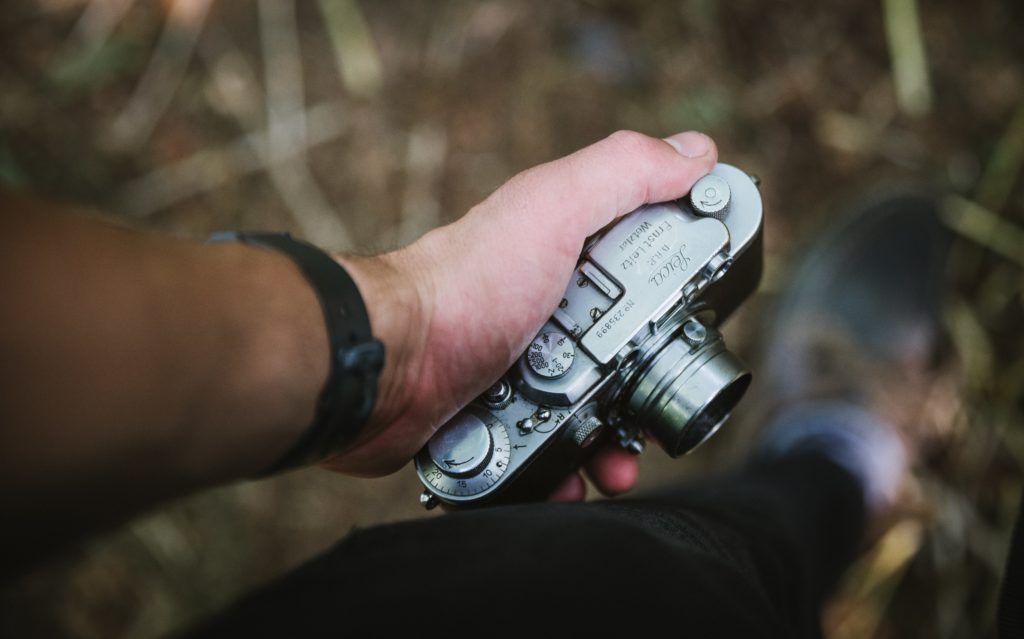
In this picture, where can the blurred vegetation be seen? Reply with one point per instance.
(363, 124)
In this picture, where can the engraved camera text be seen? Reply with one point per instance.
(677, 263)
(642, 243)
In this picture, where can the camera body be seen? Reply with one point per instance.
(632, 350)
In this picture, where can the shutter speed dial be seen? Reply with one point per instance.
(551, 354)
(467, 456)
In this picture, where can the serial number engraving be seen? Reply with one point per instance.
(610, 320)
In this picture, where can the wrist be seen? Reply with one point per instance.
(397, 306)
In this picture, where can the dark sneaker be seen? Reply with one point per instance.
(854, 351)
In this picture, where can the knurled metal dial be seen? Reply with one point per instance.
(710, 197)
(588, 430)
(466, 457)
(499, 395)
(551, 354)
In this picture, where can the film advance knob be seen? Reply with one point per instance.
(551, 354)
(710, 197)
(462, 447)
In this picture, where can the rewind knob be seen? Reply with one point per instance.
(710, 197)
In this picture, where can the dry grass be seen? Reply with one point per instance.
(363, 124)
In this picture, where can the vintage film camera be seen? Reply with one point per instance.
(632, 349)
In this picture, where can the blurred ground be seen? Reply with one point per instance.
(362, 124)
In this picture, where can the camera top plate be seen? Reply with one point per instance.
(660, 253)
(653, 256)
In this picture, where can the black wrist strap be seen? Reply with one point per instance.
(347, 399)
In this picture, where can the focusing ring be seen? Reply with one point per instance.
(682, 389)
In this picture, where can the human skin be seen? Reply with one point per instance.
(484, 285)
(137, 367)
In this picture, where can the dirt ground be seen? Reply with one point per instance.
(363, 124)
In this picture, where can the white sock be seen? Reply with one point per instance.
(851, 437)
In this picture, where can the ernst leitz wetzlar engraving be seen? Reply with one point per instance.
(632, 351)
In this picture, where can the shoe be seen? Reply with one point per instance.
(856, 352)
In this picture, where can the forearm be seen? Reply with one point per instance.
(137, 367)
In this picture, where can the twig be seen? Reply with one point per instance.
(972, 343)
(94, 26)
(424, 163)
(981, 225)
(355, 51)
(909, 61)
(285, 146)
(207, 169)
(163, 75)
(1004, 167)
(993, 190)
(237, 89)
(860, 136)
(879, 575)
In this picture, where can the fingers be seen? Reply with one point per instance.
(615, 176)
(613, 470)
(572, 489)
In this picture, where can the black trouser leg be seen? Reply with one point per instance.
(748, 554)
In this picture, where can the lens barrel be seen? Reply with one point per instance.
(685, 391)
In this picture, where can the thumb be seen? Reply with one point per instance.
(612, 177)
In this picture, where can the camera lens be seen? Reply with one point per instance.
(686, 392)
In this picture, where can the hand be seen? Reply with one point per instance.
(456, 308)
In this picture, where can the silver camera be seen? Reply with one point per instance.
(631, 351)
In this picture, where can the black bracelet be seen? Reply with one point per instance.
(345, 404)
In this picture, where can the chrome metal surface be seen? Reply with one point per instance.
(710, 197)
(551, 354)
(686, 394)
(498, 395)
(694, 332)
(632, 345)
(463, 488)
(654, 253)
(429, 500)
(462, 446)
(587, 431)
